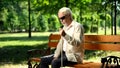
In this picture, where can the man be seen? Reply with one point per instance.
(70, 47)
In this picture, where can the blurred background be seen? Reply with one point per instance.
(26, 24)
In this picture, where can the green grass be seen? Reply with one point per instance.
(13, 39)
(14, 47)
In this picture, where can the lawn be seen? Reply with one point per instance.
(14, 46)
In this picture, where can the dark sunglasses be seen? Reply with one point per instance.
(62, 18)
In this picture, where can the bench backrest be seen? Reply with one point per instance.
(102, 42)
(53, 40)
(93, 42)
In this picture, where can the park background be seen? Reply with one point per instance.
(26, 24)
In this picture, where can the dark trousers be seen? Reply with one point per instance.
(47, 60)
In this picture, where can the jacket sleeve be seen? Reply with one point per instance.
(77, 37)
(59, 48)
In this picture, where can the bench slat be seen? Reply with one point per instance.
(52, 44)
(88, 65)
(54, 37)
(92, 46)
(102, 38)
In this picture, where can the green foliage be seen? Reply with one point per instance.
(41, 23)
(52, 23)
(43, 14)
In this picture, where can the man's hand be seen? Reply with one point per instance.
(62, 32)
(55, 58)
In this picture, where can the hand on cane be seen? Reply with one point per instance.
(62, 32)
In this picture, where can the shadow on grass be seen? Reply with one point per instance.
(16, 54)
(94, 53)
(89, 54)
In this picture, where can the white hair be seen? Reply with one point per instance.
(66, 11)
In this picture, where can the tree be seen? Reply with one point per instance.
(93, 14)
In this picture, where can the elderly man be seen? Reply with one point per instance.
(70, 47)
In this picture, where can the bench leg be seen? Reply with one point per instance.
(29, 64)
(36, 65)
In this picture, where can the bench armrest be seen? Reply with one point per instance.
(111, 61)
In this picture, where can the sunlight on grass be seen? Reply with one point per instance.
(97, 57)
(21, 43)
(14, 66)
(25, 34)
(101, 31)
(19, 39)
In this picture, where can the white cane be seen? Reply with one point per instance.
(61, 56)
(61, 27)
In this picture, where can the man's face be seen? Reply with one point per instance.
(62, 18)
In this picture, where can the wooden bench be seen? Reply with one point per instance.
(91, 42)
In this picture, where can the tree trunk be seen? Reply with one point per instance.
(29, 19)
(67, 3)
